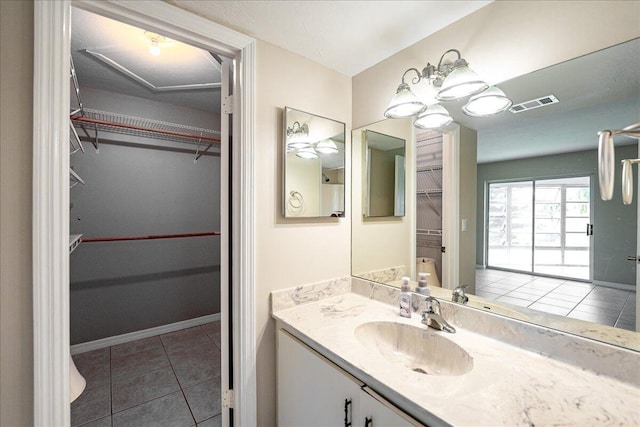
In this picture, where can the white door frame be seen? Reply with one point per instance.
(451, 208)
(51, 194)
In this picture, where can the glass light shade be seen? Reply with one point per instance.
(403, 104)
(326, 147)
(307, 153)
(627, 182)
(434, 117)
(299, 139)
(461, 82)
(606, 164)
(491, 101)
(298, 144)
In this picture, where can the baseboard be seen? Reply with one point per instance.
(145, 333)
(615, 285)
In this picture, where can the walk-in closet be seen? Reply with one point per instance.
(429, 204)
(145, 227)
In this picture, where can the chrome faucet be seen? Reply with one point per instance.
(459, 296)
(434, 319)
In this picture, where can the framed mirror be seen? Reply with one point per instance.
(385, 174)
(566, 279)
(381, 244)
(314, 159)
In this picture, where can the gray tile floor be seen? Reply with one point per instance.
(579, 300)
(166, 380)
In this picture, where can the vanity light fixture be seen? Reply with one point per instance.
(453, 81)
(606, 163)
(298, 136)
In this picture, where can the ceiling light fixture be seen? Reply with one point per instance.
(155, 40)
(453, 81)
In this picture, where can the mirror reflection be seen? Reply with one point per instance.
(385, 160)
(548, 249)
(314, 161)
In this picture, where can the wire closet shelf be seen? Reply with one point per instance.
(137, 126)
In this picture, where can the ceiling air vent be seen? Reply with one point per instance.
(533, 104)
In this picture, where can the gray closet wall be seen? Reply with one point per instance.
(133, 189)
(614, 223)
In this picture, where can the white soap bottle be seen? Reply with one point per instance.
(423, 285)
(405, 298)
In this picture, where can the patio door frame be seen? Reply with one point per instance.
(533, 180)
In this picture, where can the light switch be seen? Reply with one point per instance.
(464, 224)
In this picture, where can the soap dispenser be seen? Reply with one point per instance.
(423, 285)
(405, 298)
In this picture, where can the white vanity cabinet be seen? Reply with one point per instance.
(313, 392)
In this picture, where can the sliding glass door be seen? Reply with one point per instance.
(541, 226)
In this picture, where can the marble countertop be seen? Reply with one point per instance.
(507, 385)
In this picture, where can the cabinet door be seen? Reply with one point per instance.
(375, 411)
(311, 391)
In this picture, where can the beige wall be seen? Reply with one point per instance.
(468, 195)
(16, 330)
(504, 39)
(291, 251)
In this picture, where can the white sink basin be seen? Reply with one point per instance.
(419, 349)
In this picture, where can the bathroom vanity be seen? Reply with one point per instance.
(345, 357)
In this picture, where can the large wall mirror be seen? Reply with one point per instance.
(314, 161)
(548, 249)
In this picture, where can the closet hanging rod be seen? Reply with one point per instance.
(78, 119)
(152, 237)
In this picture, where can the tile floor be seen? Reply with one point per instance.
(166, 380)
(579, 300)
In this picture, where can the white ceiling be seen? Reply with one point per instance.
(95, 39)
(346, 36)
(596, 91)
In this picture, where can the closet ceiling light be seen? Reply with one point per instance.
(453, 81)
(154, 40)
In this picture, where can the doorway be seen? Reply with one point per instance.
(541, 226)
(145, 210)
(51, 200)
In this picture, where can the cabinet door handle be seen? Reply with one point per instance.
(347, 413)
(368, 422)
